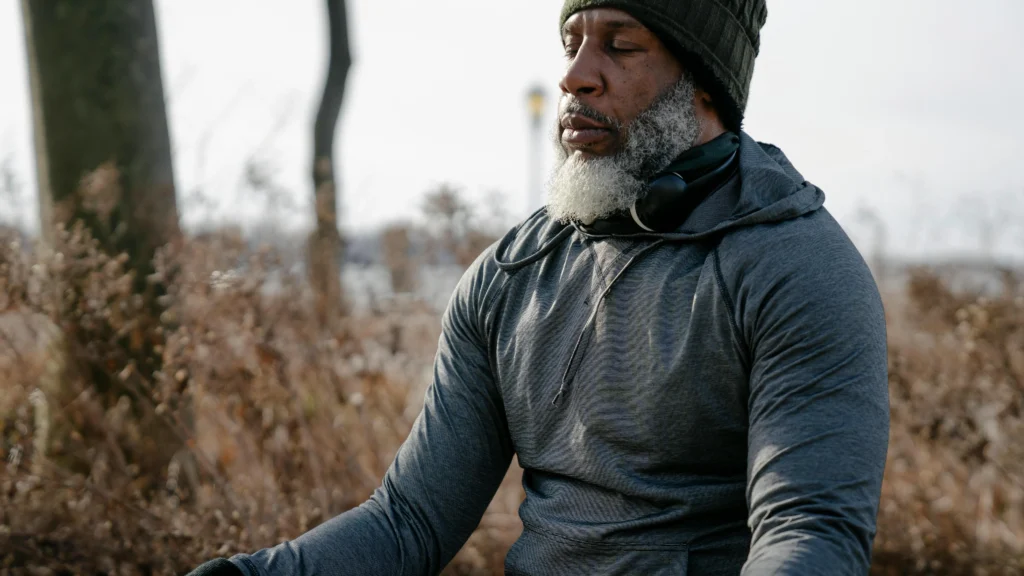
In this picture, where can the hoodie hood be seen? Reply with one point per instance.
(767, 188)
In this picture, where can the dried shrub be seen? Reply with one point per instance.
(953, 495)
(453, 229)
(283, 423)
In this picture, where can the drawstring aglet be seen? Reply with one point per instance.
(558, 396)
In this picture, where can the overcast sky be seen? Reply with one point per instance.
(909, 107)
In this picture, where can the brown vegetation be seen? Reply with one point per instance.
(295, 419)
(953, 496)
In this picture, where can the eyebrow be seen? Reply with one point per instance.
(615, 25)
(627, 24)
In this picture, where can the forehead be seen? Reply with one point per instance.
(594, 19)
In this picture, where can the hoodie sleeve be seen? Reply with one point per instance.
(441, 481)
(818, 404)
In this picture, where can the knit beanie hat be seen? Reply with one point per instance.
(716, 41)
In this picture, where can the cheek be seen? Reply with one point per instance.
(635, 83)
(636, 93)
(641, 83)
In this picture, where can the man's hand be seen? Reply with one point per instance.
(218, 567)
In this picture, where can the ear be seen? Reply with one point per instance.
(703, 98)
(707, 114)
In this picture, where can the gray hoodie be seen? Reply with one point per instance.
(707, 402)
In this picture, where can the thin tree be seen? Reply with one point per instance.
(325, 244)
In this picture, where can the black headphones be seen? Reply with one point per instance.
(670, 199)
(675, 193)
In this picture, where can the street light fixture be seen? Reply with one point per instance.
(536, 101)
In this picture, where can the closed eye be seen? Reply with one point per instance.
(623, 48)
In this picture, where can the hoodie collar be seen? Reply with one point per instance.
(770, 189)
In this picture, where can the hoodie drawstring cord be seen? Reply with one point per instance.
(539, 254)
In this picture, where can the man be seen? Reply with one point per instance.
(683, 349)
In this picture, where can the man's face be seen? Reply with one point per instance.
(615, 67)
(627, 110)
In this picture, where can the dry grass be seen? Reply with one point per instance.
(953, 496)
(277, 423)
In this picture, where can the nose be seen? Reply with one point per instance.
(583, 73)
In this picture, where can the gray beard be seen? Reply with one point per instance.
(585, 190)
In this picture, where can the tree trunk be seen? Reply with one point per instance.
(98, 101)
(103, 156)
(325, 244)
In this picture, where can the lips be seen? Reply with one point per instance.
(580, 131)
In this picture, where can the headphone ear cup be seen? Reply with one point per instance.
(670, 199)
(651, 213)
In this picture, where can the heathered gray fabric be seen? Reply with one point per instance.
(723, 404)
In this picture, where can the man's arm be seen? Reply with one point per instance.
(818, 410)
(441, 481)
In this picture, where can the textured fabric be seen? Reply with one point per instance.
(218, 567)
(708, 402)
(724, 35)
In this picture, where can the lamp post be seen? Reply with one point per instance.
(536, 100)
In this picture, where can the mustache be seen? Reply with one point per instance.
(572, 105)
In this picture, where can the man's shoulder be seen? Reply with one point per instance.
(813, 240)
(527, 239)
(803, 261)
(802, 274)
(515, 250)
